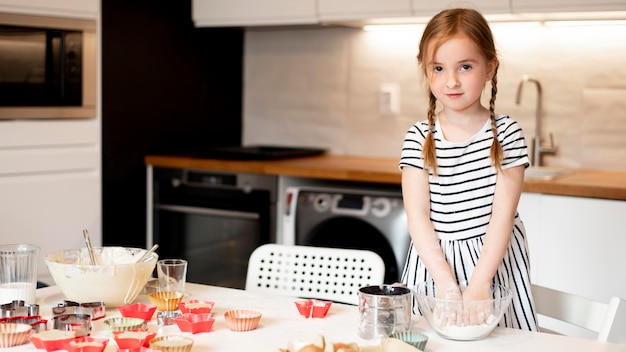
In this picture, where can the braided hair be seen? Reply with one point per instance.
(442, 27)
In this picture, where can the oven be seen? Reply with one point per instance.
(214, 220)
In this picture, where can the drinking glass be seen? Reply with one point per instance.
(172, 275)
(18, 274)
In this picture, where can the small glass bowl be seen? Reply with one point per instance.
(124, 324)
(195, 323)
(242, 319)
(196, 306)
(51, 340)
(171, 343)
(167, 300)
(86, 344)
(130, 339)
(313, 308)
(138, 310)
(13, 334)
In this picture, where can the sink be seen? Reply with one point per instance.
(545, 172)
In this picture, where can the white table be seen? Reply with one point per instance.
(281, 324)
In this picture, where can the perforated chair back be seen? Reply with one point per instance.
(565, 310)
(313, 272)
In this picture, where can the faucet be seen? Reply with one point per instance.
(538, 148)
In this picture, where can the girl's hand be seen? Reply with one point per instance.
(450, 310)
(476, 306)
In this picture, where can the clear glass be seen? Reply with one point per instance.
(18, 277)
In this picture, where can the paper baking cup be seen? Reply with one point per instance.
(242, 319)
(412, 338)
(138, 310)
(124, 324)
(13, 334)
(130, 339)
(167, 300)
(51, 340)
(171, 343)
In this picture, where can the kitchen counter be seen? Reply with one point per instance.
(581, 183)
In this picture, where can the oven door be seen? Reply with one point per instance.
(215, 227)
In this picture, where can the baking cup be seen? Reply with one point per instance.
(171, 343)
(313, 308)
(167, 300)
(242, 319)
(13, 334)
(196, 306)
(51, 340)
(124, 324)
(195, 323)
(130, 339)
(86, 344)
(138, 310)
(412, 338)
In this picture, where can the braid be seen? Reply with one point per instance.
(430, 150)
(496, 148)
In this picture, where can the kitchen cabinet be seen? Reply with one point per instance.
(351, 10)
(226, 13)
(50, 174)
(88, 9)
(520, 6)
(430, 8)
(50, 184)
(574, 243)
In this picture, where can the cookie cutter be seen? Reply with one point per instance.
(81, 323)
(36, 322)
(19, 308)
(96, 310)
(167, 317)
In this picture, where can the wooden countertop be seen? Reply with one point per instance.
(581, 183)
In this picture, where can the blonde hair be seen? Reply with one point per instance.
(442, 27)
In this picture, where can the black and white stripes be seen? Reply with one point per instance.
(461, 196)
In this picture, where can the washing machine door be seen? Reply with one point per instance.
(354, 233)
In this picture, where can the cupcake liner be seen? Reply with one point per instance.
(171, 343)
(242, 319)
(13, 334)
(412, 338)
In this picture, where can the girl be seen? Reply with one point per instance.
(462, 173)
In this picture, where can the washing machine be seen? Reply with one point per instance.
(372, 219)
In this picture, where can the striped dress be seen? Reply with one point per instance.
(460, 199)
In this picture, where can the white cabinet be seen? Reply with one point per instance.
(207, 13)
(88, 9)
(520, 6)
(50, 184)
(430, 8)
(351, 10)
(576, 244)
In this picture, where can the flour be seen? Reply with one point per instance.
(469, 332)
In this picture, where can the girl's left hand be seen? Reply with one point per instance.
(476, 305)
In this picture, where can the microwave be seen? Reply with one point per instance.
(47, 67)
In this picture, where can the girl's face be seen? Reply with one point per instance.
(458, 74)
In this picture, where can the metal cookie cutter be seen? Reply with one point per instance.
(96, 310)
(167, 317)
(34, 321)
(19, 308)
(81, 323)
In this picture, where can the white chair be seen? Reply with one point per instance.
(564, 313)
(313, 272)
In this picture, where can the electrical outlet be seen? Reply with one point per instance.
(389, 99)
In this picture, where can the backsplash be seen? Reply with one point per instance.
(319, 87)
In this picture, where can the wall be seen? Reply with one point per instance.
(167, 87)
(319, 87)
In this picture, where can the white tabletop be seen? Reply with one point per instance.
(281, 324)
